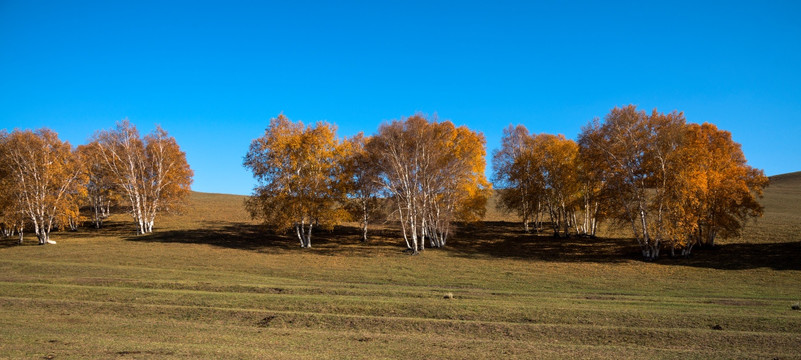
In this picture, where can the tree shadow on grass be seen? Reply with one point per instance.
(109, 229)
(342, 240)
(743, 256)
(508, 240)
(242, 236)
(11, 241)
(488, 239)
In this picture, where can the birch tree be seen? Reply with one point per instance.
(296, 167)
(673, 184)
(44, 172)
(152, 173)
(101, 185)
(677, 185)
(621, 148)
(513, 174)
(434, 173)
(594, 187)
(730, 189)
(362, 181)
(540, 173)
(12, 216)
(557, 159)
(457, 189)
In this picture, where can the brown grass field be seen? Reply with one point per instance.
(210, 283)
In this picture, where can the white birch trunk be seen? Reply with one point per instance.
(403, 225)
(365, 219)
(308, 235)
(300, 236)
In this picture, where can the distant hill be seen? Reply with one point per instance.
(782, 219)
(784, 180)
(208, 210)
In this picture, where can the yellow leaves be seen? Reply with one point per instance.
(152, 173)
(539, 171)
(434, 171)
(676, 178)
(297, 168)
(41, 179)
(729, 188)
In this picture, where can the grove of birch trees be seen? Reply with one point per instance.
(299, 171)
(44, 182)
(431, 172)
(675, 185)
(434, 173)
(41, 182)
(151, 173)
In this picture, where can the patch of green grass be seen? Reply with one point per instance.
(211, 283)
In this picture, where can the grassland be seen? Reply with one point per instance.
(212, 284)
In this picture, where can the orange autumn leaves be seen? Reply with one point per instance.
(41, 182)
(675, 185)
(538, 176)
(150, 173)
(45, 181)
(299, 180)
(432, 172)
(728, 188)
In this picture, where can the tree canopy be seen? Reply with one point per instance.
(42, 181)
(434, 172)
(151, 172)
(298, 174)
(665, 177)
(674, 184)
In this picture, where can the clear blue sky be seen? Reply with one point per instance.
(214, 73)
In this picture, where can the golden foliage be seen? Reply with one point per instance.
(674, 183)
(361, 181)
(42, 182)
(298, 170)
(152, 173)
(434, 172)
(728, 190)
(540, 173)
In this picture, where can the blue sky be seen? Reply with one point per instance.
(214, 73)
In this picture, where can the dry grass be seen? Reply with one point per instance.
(212, 284)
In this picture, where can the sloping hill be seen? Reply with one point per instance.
(782, 219)
(210, 283)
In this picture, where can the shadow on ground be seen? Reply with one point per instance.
(109, 229)
(508, 240)
(743, 256)
(342, 240)
(229, 235)
(488, 239)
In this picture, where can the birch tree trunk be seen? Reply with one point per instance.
(365, 219)
(309, 234)
(299, 232)
(142, 170)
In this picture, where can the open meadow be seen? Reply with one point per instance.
(210, 283)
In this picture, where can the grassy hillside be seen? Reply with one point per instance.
(212, 283)
(782, 220)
